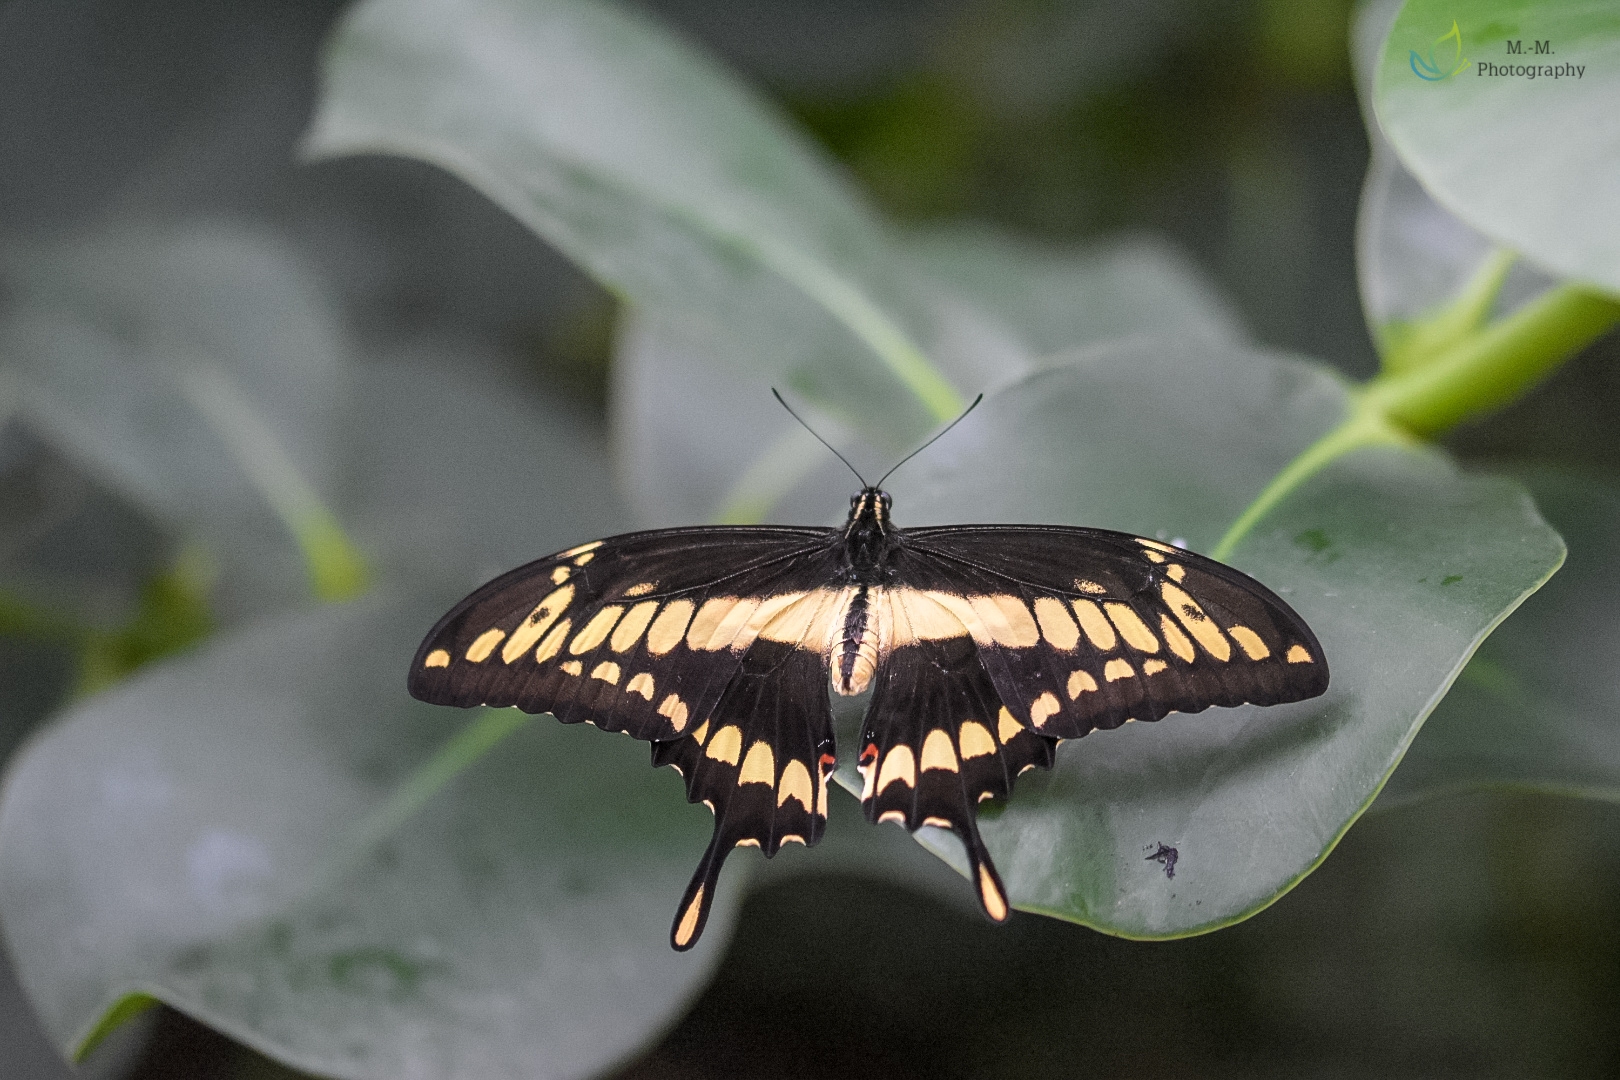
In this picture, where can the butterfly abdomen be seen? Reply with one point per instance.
(855, 656)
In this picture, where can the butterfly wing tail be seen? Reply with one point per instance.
(936, 742)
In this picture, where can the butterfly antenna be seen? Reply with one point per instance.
(824, 442)
(935, 439)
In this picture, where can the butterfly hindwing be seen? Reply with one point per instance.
(936, 742)
(760, 761)
(639, 633)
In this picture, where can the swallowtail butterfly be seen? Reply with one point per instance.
(984, 647)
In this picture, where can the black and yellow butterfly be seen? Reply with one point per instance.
(984, 646)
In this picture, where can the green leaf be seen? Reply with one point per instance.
(270, 836)
(699, 441)
(1400, 564)
(198, 370)
(1427, 279)
(1537, 708)
(1532, 163)
(651, 168)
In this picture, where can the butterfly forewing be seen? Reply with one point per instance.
(640, 633)
(1086, 628)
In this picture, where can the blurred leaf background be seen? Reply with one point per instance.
(150, 154)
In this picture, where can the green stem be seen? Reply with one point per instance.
(459, 753)
(1363, 427)
(1497, 365)
(1483, 371)
(1410, 345)
(336, 569)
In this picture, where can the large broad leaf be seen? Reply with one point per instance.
(266, 836)
(649, 167)
(272, 837)
(697, 439)
(1538, 708)
(198, 370)
(1426, 276)
(1523, 146)
(1400, 564)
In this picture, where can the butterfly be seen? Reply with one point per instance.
(983, 647)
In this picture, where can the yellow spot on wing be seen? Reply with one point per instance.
(908, 616)
(1043, 708)
(585, 558)
(975, 740)
(553, 642)
(792, 838)
(1198, 624)
(689, 920)
(571, 552)
(1007, 619)
(1080, 682)
(607, 671)
(748, 841)
(1057, 626)
(1153, 667)
(759, 767)
(1178, 641)
(643, 684)
(1089, 587)
(1007, 727)
(595, 631)
(726, 744)
(938, 753)
(795, 785)
(573, 667)
(995, 905)
(485, 644)
(437, 658)
(719, 621)
(1252, 645)
(548, 648)
(1098, 631)
(1145, 542)
(898, 765)
(560, 575)
(641, 588)
(1132, 628)
(1115, 670)
(702, 731)
(896, 816)
(938, 822)
(674, 708)
(529, 630)
(805, 620)
(670, 626)
(1176, 572)
(1299, 655)
(628, 632)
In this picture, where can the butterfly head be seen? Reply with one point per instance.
(869, 510)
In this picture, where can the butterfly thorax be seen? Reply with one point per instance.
(869, 536)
